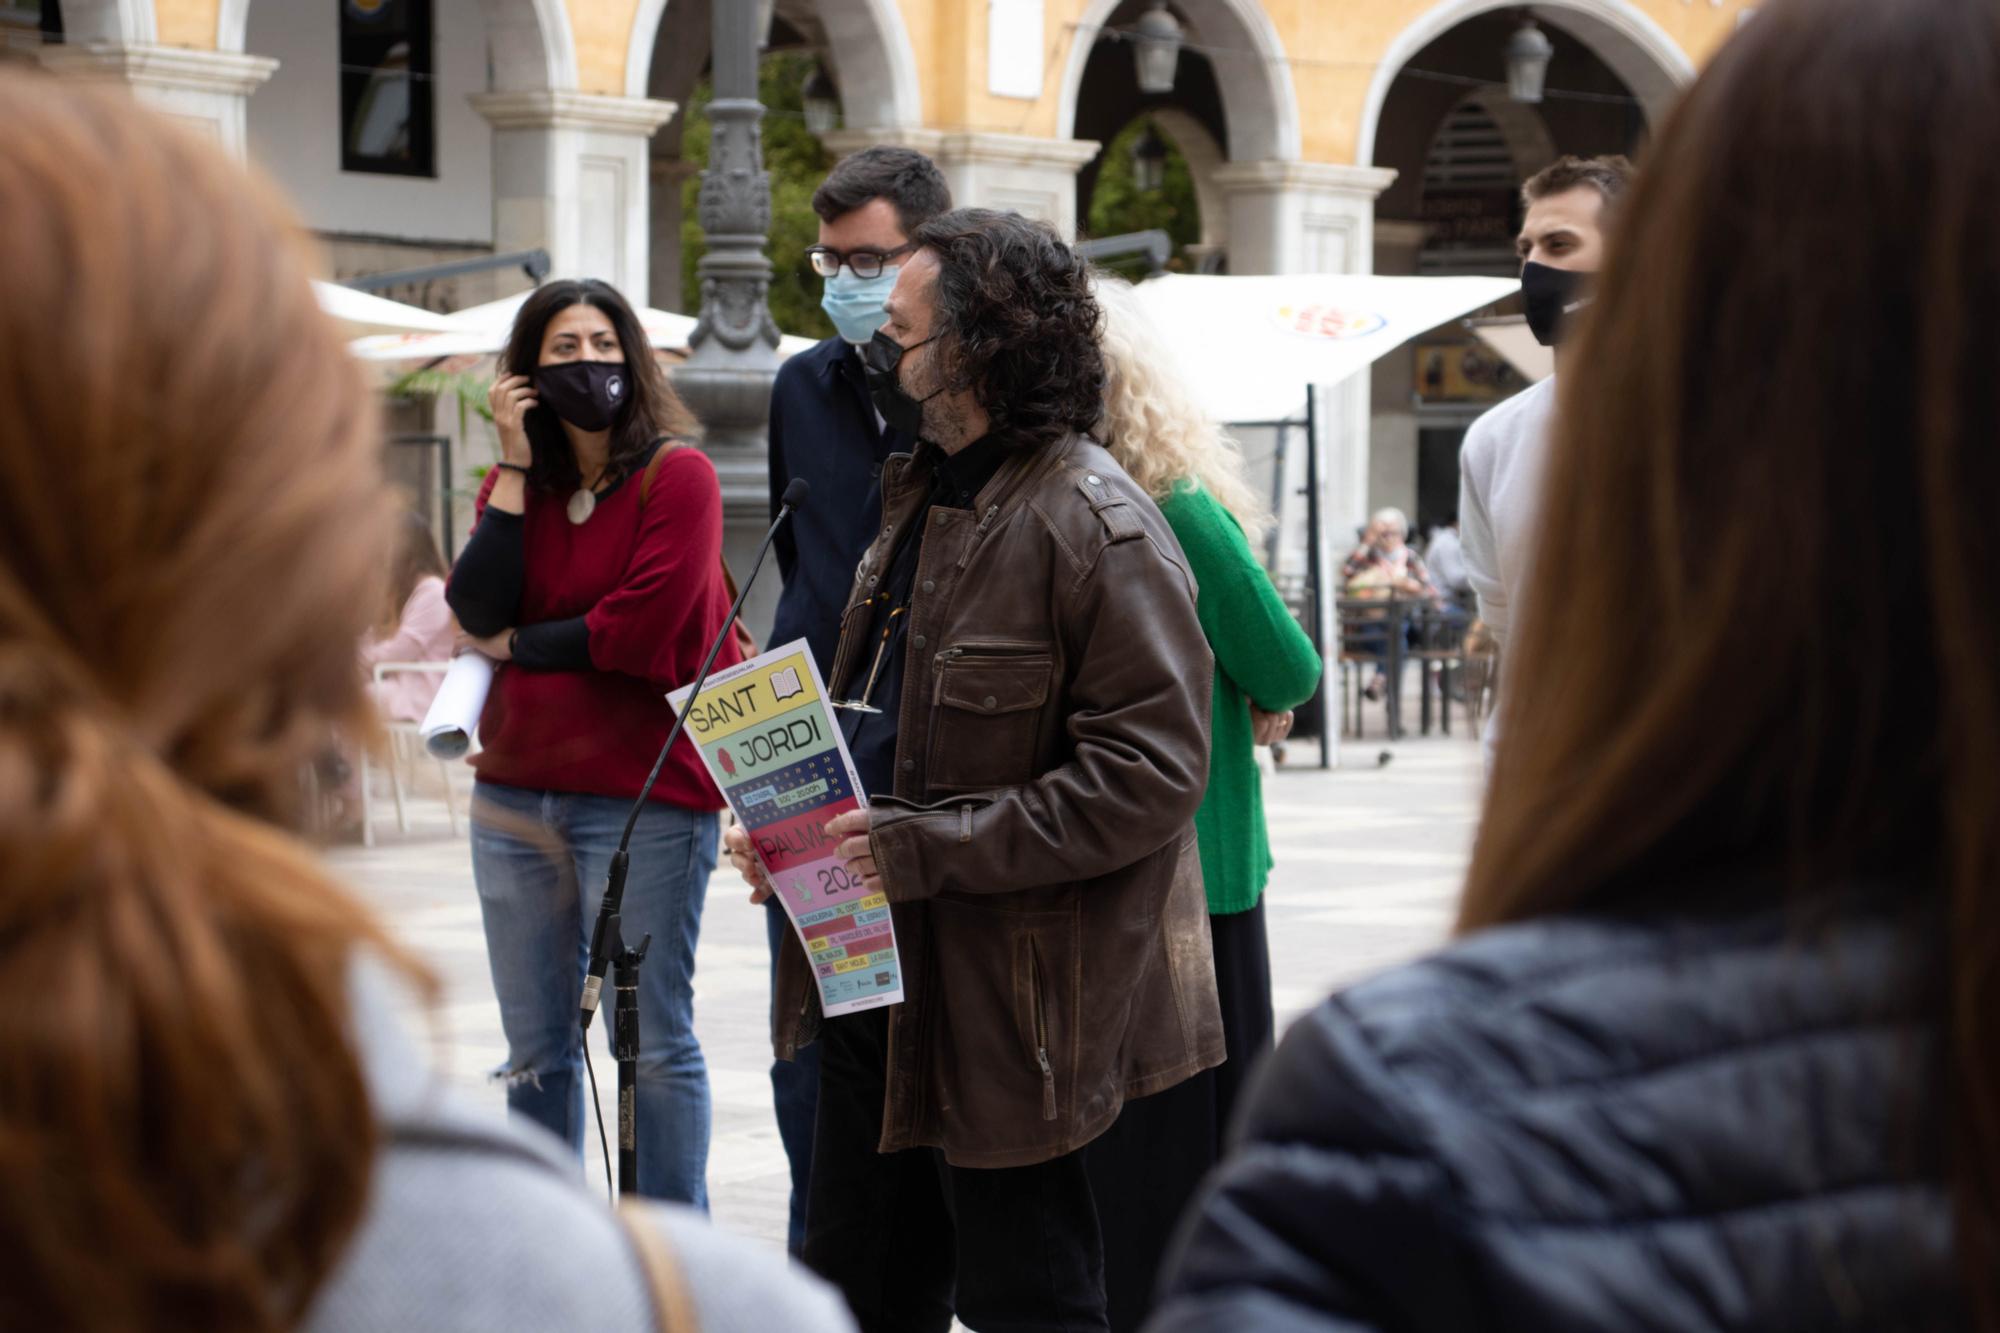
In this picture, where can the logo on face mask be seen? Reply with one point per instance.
(586, 394)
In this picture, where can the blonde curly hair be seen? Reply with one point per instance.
(1153, 426)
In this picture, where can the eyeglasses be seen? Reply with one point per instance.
(862, 705)
(827, 261)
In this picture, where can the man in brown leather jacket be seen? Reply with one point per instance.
(1025, 625)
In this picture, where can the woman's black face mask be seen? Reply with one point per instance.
(586, 394)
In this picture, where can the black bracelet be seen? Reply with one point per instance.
(513, 636)
(513, 467)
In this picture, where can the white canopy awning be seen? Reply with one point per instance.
(1251, 345)
(360, 314)
(482, 330)
(1510, 336)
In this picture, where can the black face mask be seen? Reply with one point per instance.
(586, 394)
(1552, 295)
(880, 355)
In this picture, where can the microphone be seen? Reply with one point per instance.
(614, 887)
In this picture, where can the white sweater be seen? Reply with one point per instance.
(1499, 503)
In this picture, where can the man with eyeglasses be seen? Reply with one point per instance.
(825, 429)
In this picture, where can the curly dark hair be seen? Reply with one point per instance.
(1019, 324)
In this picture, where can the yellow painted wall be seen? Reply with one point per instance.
(603, 33)
(1332, 46)
(188, 23)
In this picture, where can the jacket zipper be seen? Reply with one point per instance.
(1041, 1031)
(992, 512)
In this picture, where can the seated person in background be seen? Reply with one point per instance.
(1445, 558)
(416, 626)
(1385, 567)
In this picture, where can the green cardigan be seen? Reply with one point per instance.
(1261, 656)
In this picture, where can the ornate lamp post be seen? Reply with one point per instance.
(727, 377)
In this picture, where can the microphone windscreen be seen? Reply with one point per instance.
(795, 493)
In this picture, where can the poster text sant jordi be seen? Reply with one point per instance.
(771, 746)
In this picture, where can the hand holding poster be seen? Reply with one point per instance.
(773, 750)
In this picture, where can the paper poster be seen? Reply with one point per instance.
(772, 747)
(453, 718)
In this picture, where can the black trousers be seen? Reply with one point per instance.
(1147, 1167)
(910, 1239)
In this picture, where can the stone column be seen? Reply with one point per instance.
(207, 90)
(1032, 176)
(570, 175)
(1314, 217)
(669, 175)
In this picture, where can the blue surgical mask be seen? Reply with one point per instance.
(857, 305)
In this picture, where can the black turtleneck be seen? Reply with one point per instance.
(956, 480)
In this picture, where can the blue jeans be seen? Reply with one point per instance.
(539, 860)
(795, 1095)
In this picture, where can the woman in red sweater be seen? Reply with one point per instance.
(594, 576)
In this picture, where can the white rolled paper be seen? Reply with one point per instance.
(454, 714)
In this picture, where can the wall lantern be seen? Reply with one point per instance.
(822, 103)
(1149, 161)
(1156, 41)
(1528, 53)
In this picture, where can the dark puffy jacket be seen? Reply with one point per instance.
(1594, 1124)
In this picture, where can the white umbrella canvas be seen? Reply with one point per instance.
(1251, 345)
(360, 314)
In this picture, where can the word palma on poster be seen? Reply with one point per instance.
(773, 750)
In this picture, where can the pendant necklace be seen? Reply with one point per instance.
(583, 503)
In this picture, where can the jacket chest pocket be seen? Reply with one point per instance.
(985, 716)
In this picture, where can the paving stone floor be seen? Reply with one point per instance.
(1369, 862)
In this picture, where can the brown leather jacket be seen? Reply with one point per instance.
(1039, 852)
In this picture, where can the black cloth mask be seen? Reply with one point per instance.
(1553, 295)
(586, 394)
(880, 356)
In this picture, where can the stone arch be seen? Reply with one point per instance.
(531, 43)
(1204, 158)
(117, 22)
(1527, 134)
(1238, 38)
(869, 46)
(1635, 48)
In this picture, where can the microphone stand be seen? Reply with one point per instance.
(607, 941)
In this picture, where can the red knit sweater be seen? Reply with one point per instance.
(647, 578)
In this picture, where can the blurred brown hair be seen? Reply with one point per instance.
(1762, 632)
(414, 558)
(191, 516)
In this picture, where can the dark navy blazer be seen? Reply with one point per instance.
(824, 428)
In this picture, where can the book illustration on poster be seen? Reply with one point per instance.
(770, 745)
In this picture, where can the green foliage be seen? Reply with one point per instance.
(1118, 205)
(470, 392)
(797, 162)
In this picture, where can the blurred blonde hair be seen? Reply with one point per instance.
(1153, 426)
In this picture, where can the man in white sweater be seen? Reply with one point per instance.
(1500, 467)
